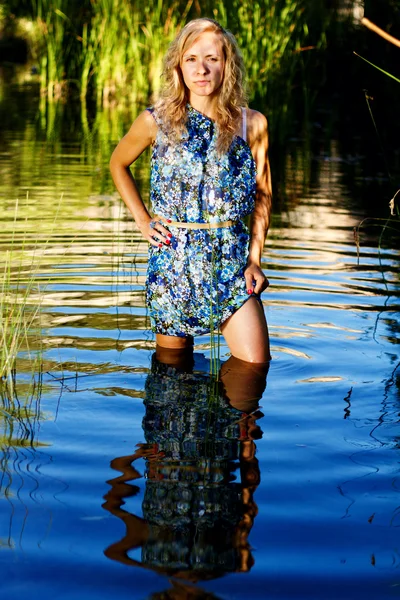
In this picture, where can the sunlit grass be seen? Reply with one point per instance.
(18, 317)
(52, 45)
(21, 339)
(114, 51)
(21, 295)
(123, 46)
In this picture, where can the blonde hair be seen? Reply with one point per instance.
(171, 105)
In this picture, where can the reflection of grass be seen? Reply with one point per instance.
(20, 410)
(390, 224)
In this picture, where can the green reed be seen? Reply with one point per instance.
(17, 315)
(378, 68)
(268, 32)
(123, 46)
(20, 299)
(215, 316)
(52, 46)
(114, 49)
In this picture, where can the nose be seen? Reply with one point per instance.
(201, 68)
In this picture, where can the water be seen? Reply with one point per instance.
(130, 478)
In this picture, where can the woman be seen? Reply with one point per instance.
(209, 170)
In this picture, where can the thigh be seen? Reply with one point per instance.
(246, 333)
(172, 341)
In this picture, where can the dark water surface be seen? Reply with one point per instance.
(136, 476)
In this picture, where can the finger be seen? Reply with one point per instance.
(158, 236)
(249, 278)
(164, 231)
(159, 232)
(154, 241)
(258, 288)
(261, 284)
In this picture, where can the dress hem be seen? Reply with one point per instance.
(228, 312)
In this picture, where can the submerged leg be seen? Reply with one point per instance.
(244, 383)
(180, 358)
(246, 333)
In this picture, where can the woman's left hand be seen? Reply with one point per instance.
(256, 282)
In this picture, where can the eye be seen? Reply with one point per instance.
(190, 59)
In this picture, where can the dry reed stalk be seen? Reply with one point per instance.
(386, 36)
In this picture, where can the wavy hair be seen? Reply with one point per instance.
(171, 105)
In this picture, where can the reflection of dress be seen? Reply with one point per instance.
(191, 504)
(197, 514)
(197, 282)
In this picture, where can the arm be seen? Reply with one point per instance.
(141, 135)
(260, 219)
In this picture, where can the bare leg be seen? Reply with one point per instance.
(180, 358)
(246, 333)
(172, 341)
(244, 383)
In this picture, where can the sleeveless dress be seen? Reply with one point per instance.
(197, 282)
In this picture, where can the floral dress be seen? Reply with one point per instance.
(197, 282)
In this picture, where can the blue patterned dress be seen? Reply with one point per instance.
(197, 282)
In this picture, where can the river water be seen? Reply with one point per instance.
(125, 474)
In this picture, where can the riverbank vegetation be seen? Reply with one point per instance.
(109, 53)
(114, 49)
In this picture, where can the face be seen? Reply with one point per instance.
(203, 65)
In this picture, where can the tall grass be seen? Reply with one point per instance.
(52, 46)
(114, 49)
(20, 298)
(268, 32)
(18, 317)
(123, 46)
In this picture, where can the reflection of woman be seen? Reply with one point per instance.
(196, 515)
(209, 170)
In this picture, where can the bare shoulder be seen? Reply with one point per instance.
(258, 125)
(144, 126)
(141, 134)
(257, 119)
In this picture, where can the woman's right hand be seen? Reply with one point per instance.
(156, 233)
